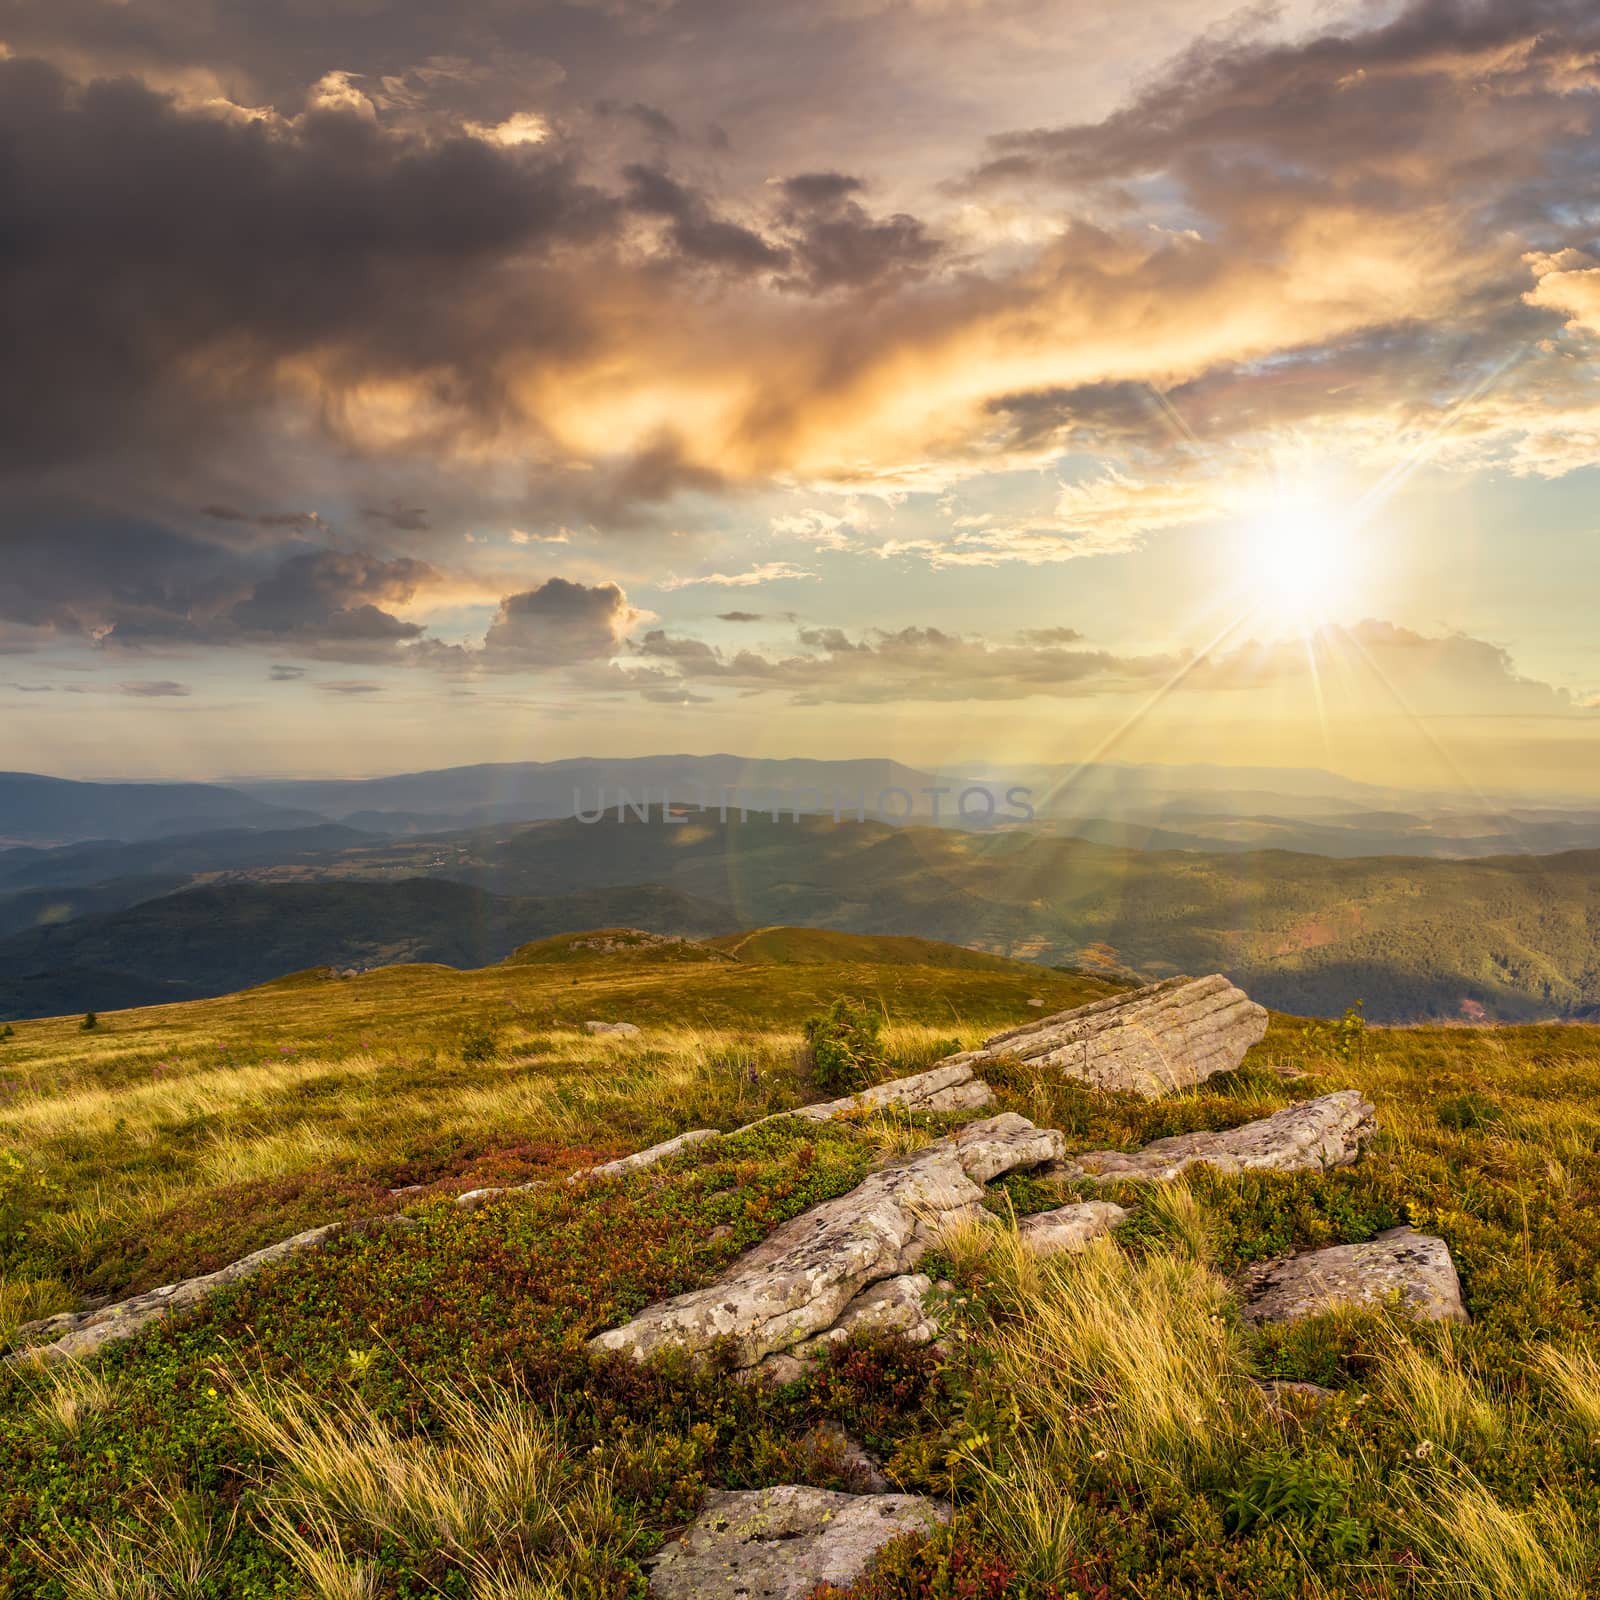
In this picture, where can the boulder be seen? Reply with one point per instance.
(625, 1030)
(781, 1543)
(1313, 1136)
(1401, 1267)
(798, 1282)
(1150, 1041)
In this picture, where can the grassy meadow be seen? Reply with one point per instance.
(412, 1411)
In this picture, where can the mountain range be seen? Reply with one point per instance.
(1505, 938)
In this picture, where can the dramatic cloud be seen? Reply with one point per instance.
(323, 323)
(907, 664)
(558, 624)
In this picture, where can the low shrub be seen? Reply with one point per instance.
(846, 1053)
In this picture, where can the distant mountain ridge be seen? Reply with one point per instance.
(43, 810)
(214, 940)
(1510, 938)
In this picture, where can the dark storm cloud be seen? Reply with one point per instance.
(697, 232)
(1448, 89)
(558, 624)
(262, 519)
(333, 596)
(654, 121)
(127, 583)
(161, 268)
(837, 244)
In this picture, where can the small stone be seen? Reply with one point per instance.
(1400, 1265)
(781, 1543)
(623, 1030)
(648, 1158)
(1283, 1394)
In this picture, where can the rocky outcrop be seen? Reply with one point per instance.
(1150, 1041)
(1409, 1270)
(1050, 1233)
(623, 1030)
(73, 1334)
(1313, 1136)
(799, 1282)
(948, 1087)
(780, 1544)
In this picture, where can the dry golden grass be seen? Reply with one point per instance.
(498, 1491)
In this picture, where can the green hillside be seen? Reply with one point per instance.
(442, 1360)
(223, 937)
(1516, 936)
(814, 946)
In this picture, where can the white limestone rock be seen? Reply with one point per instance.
(948, 1087)
(73, 1335)
(1400, 1267)
(1150, 1041)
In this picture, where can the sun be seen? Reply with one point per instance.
(1301, 554)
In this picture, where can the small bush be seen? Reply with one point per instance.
(90, 1022)
(7, 1031)
(1469, 1111)
(846, 1053)
(1344, 1040)
(480, 1042)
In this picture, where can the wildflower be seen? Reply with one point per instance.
(1424, 1450)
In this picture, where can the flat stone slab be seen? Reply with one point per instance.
(948, 1087)
(779, 1544)
(623, 1030)
(1401, 1267)
(1150, 1041)
(1313, 1136)
(798, 1282)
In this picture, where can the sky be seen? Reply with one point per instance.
(392, 385)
